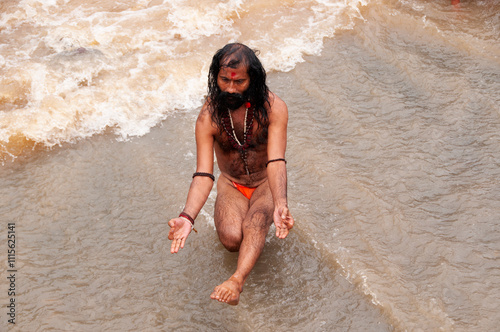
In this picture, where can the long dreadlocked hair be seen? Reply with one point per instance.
(232, 56)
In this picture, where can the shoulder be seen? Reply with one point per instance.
(204, 121)
(277, 107)
(204, 112)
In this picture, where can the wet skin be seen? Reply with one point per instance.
(242, 224)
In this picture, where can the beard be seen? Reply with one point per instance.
(231, 101)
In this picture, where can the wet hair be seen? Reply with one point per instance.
(232, 56)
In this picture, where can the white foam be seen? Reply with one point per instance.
(91, 68)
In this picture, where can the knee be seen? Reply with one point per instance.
(232, 247)
(231, 242)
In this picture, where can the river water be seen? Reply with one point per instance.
(393, 164)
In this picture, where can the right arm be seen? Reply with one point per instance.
(200, 186)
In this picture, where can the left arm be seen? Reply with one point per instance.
(276, 171)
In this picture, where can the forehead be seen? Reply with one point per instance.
(239, 71)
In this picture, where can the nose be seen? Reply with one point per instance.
(231, 88)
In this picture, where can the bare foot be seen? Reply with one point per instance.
(228, 292)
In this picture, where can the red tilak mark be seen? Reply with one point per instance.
(233, 74)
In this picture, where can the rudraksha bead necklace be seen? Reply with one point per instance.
(247, 133)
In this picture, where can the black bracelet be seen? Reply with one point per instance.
(204, 174)
(273, 160)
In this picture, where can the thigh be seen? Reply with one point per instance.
(231, 208)
(260, 212)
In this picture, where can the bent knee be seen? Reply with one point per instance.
(231, 245)
(231, 242)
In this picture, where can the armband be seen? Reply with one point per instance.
(273, 160)
(208, 175)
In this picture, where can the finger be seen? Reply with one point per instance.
(178, 245)
(284, 233)
(182, 242)
(175, 245)
(280, 234)
(278, 230)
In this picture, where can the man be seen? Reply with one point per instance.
(246, 125)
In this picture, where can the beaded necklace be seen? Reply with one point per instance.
(247, 133)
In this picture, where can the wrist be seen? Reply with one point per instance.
(280, 204)
(189, 219)
(187, 216)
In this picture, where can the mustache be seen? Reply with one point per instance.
(231, 100)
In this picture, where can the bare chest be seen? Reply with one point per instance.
(237, 139)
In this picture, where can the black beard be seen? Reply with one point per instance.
(231, 101)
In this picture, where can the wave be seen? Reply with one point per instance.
(78, 69)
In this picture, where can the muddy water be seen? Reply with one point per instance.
(393, 161)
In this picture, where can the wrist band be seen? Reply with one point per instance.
(208, 175)
(273, 160)
(188, 218)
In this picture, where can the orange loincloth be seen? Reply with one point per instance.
(246, 191)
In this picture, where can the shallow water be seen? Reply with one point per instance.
(393, 162)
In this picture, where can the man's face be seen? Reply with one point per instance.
(233, 80)
(233, 83)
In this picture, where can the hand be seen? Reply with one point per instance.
(283, 221)
(179, 231)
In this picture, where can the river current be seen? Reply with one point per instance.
(393, 164)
